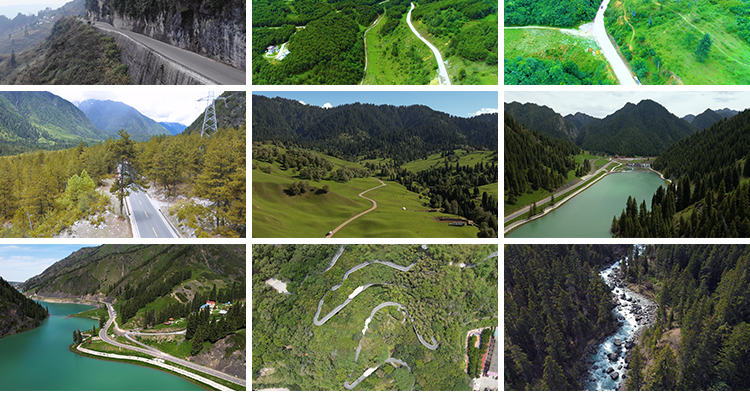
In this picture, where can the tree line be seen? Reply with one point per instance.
(555, 304)
(533, 71)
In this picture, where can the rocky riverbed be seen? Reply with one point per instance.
(608, 360)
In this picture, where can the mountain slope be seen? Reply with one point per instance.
(173, 127)
(580, 120)
(17, 313)
(41, 120)
(543, 120)
(231, 112)
(645, 129)
(111, 116)
(354, 131)
(709, 117)
(109, 270)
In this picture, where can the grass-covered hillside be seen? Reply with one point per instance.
(443, 291)
(330, 197)
(683, 42)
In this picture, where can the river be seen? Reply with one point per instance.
(39, 360)
(589, 215)
(633, 312)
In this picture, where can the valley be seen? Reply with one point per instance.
(84, 175)
(388, 42)
(636, 322)
(331, 185)
(179, 308)
(610, 190)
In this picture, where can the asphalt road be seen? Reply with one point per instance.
(156, 353)
(442, 71)
(218, 72)
(147, 218)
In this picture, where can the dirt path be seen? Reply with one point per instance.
(380, 17)
(374, 206)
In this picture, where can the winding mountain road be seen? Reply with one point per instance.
(157, 353)
(206, 70)
(443, 78)
(374, 206)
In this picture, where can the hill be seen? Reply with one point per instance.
(112, 116)
(33, 120)
(357, 131)
(18, 313)
(109, 270)
(73, 54)
(231, 111)
(534, 161)
(709, 117)
(173, 127)
(645, 129)
(580, 120)
(543, 120)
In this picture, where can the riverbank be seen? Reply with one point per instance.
(78, 301)
(608, 360)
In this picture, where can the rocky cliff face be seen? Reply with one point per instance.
(215, 29)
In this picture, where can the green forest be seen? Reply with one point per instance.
(17, 312)
(555, 306)
(326, 38)
(703, 323)
(568, 13)
(50, 190)
(709, 198)
(536, 162)
(444, 300)
(533, 71)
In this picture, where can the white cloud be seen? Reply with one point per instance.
(302, 102)
(484, 111)
(327, 105)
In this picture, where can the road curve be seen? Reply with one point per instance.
(158, 364)
(211, 71)
(160, 354)
(620, 68)
(374, 206)
(442, 71)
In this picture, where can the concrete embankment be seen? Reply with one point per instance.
(158, 363)
(147, 67)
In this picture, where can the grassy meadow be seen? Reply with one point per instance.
(659, 39)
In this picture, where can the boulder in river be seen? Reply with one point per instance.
(612, 357)
(610, 370)
(614, 375)
(618, 342)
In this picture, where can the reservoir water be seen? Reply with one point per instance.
(39, 360)
(589, 214)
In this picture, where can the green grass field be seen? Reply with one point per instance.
(403, 68)
(554, 45)
(313, 215)
(660, 39)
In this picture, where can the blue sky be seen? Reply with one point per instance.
(21, 262)
(455, 103)
(11, 8)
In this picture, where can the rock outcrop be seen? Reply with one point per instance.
(215, 29)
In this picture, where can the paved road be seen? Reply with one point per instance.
(525, 209)
(149, 221)
(622, 72)
(156, 353)
(136, 333)
(213, 71)
(442, 71)
(374, 206)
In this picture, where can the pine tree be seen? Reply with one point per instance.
(553, 378)
(123, 152)
(635, 378)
